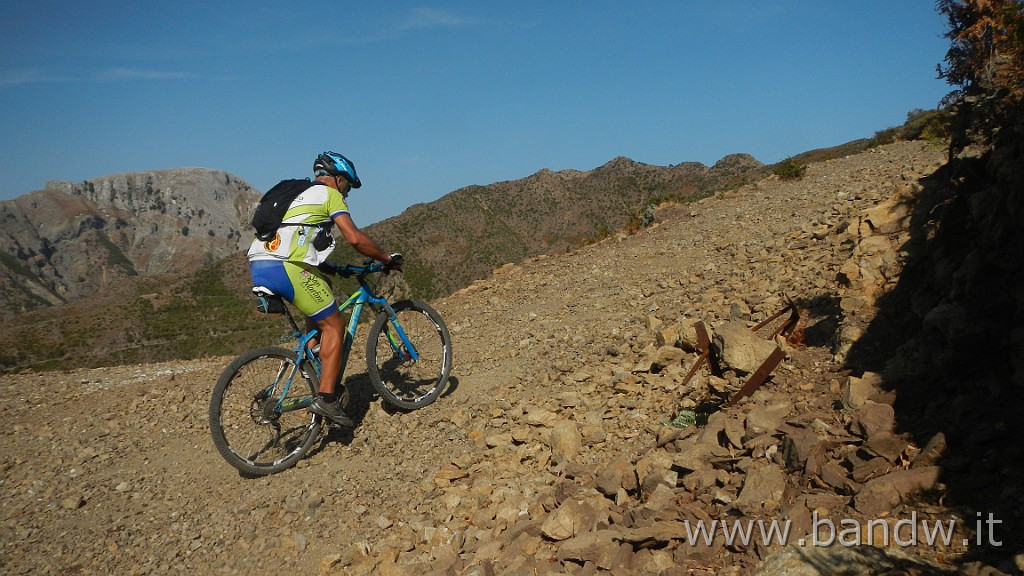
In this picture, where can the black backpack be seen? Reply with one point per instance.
(273, 205)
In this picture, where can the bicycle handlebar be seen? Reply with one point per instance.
(348, 270)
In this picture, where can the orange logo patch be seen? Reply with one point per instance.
(273, 244)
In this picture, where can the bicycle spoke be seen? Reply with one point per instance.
(249, 426)
(400, 380)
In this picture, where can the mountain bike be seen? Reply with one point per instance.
(258, 411)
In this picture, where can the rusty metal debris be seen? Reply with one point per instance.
(705, 350)
(759, 376)
(788, 328)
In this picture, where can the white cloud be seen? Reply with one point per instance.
(422, 18)
(24, 76)
(416, 20)
(135, 73)
(21, 76)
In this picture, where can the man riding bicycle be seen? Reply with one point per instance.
(287, 265)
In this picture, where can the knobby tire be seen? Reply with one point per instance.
(399, 381)
(247, 430)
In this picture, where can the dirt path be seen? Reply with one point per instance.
(112, 470)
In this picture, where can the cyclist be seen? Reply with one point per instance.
(287, 265)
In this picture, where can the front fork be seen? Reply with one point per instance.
(397, 338)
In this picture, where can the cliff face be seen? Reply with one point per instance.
(956, 312)
(948, 332)
(69, 240)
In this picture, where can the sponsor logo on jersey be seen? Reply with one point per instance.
(273, 244)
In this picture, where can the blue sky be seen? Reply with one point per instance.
(427, 98)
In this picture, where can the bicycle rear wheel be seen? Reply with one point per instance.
(400, 380)
(253, 427)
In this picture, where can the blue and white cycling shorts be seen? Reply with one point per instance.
(299, 283)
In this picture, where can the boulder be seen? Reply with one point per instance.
(740, 348)
(886, 492)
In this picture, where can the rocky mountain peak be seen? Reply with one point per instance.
(621, 163)
(70, 239)
(136, 191)
(736, 163)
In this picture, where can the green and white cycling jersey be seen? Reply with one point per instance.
(319, 204)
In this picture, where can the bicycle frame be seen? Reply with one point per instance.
(363, 296)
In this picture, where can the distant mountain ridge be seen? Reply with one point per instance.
(464, 235)
(68, 241)
(150, 266)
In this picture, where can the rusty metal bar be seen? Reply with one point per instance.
(705, 348)
(789, 325)
(767, 367)
(702, 337)
(770, 319)
(759, 376)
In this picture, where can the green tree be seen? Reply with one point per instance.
(985, 62)
(987, 45)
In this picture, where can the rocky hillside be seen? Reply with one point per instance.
(164, 248)
(68, 240)
(564, 445)
(469, 232)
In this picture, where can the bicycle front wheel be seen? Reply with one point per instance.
(258, 420)
(409, 378)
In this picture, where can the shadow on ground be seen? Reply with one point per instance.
(943, 340)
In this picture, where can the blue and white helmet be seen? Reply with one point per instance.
(334, 164)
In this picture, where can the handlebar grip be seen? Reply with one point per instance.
(329, 268)
(395, 263)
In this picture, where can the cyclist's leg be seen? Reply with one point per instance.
(312, 293)
(314, 297)
(331, 329)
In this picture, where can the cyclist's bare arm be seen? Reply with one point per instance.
(360, 241)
